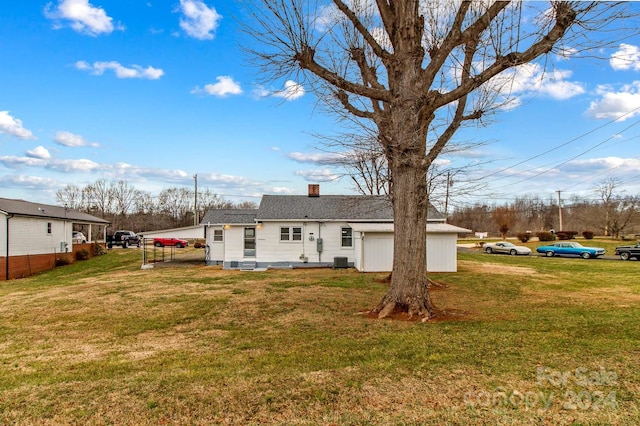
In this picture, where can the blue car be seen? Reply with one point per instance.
(570, 249)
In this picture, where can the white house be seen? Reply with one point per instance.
(314, 230)
(32, 235)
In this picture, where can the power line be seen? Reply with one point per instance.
(562, 145)
(555, 165)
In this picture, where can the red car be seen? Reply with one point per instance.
(162, 242)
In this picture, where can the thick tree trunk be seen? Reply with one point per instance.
(409, 288)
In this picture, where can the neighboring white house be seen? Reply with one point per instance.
(32, 234)
(314, 230)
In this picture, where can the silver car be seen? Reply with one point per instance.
(506, 248)
(78, 238)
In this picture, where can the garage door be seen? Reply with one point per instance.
(378, 253)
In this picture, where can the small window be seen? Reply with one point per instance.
(290, 233)
(347, 237)
(49, 228)
(297, 234)
(217, 235)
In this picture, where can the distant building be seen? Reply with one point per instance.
(33, 235)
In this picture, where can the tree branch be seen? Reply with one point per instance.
(565, 17)
(306, 60)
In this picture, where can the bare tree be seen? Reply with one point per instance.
(71, 197)
(99, 197)
(208, 200)
(178, 203)
(418, 70)
(616, 211)
(504, 218)
(124, 196)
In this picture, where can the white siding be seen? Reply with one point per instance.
(271, 249)
(3, 234)
(378, 251)
(190, 232)
(29, 236)
(442, 253)
(233, 237)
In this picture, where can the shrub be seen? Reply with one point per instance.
(197, 245)
(566, 235)
(545, 236)
(82, 254)
(588, 235)
(524, 236)
(98, 249)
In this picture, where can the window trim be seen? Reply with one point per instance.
(343, 237)
(291, 234)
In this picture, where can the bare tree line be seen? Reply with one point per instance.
(127, 207)
(609, 212)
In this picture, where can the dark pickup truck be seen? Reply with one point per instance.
(123, 239)
(628, 252)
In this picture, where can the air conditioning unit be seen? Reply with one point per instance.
(340, 263)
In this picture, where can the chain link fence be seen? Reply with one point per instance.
(154, 254)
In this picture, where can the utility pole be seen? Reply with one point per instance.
(446, 197)
(560, 210)
(196, 219)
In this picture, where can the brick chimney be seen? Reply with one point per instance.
(314, 190)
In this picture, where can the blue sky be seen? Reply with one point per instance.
(154, 92)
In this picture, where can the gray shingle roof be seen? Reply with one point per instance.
(26, 208)
(330, 207)
(326, 207)
(350, 208)
(229, 216)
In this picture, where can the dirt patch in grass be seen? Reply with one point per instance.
(495, 268)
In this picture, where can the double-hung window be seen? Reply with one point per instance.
(290, 233)
(347, 237)
(217, 235)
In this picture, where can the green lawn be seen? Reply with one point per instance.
(524, 340)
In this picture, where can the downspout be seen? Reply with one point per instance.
(6, 263)
(320, 236)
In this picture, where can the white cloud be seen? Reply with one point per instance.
(72, 140)
(65, 166)
(198, 20)
(281, 190)
(135, 71)
(620, 105)
(39, 152)
(291, 91)
(626, 58)
(27, 182)
(83, 17)
(534, 79)
(316, 158)
(319, 175)
(594, 165)
(13, 126)
(225, 86)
